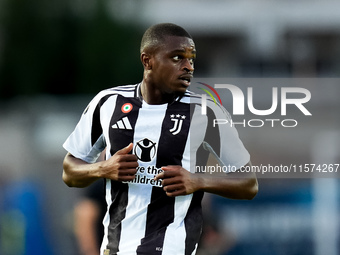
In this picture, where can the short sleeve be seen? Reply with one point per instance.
(223, 137)
(86, 142)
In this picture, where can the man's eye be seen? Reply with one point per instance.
(176, 58)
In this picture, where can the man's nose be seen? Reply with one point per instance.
(188, 65)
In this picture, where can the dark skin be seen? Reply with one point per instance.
(168, 70)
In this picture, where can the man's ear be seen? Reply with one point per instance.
(146, 61)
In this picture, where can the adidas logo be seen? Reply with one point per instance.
(124, 123)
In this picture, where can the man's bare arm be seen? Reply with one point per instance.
(178, 181)
(120, 167)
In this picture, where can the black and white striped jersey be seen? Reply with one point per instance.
(140, 218)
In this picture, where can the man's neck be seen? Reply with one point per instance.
(155, 96)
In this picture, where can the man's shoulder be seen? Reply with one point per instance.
(193, 98)
(123, 90)
(190, 97)
(202, 100)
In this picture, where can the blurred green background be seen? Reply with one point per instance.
(50, 47)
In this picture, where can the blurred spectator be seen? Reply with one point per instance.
(88, 215)
(215, 240)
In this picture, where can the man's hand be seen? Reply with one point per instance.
(122, 166)
(177, 181)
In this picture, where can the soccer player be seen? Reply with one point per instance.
(153, 134)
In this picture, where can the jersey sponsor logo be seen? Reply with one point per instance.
(145, 150)
(126, 108)
(178, 122)
(124, 123)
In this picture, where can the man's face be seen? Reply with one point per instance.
(173, 65)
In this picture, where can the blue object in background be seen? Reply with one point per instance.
(23, 229)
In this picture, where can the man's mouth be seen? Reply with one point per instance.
(186, 78)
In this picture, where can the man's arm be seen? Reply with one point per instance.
(120, 167)
(178, 181)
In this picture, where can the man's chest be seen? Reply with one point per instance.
(153, 129)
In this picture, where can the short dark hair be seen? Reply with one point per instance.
(156, 34)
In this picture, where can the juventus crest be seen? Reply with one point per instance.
(178, 122)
